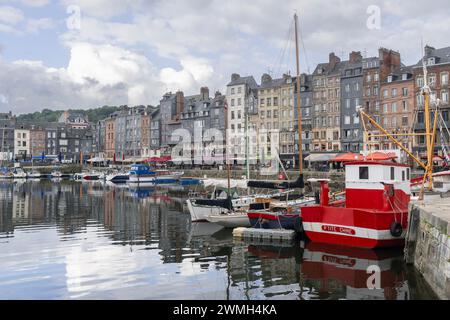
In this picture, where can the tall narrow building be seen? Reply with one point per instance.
(326, 100)
(241, 100)
(438, 69)
(351, 98)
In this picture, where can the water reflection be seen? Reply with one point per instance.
(104, 241)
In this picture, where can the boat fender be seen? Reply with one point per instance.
(396, 229)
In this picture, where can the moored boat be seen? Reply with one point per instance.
(34, 175)
(165, 176)
(19, 173)
(278, 214)
(118, 177)
(230, 220)
(140, 173)
(56, 174)
(91, 176)
(374, 213)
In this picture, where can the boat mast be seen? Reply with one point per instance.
(3, 144)
(227, 162)
(429, 137)
(299, 110)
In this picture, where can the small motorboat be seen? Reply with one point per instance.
(56, 174)
(91, 176)
(34, 175)
(276, 214)
(19, 173)
(118, 177)
(230, 220)
(167, 177)
(141, 173)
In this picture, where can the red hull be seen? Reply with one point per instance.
(353, 227)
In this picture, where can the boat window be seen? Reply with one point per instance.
(392, 173)
(364, 173)
(403, 175)
(407, 173)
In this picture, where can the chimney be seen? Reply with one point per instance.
(355, 57)
(265, 78)
(389, 61)
(204, 93)
(333, 60)
(235, 76)
(429, 50)
(180, 103)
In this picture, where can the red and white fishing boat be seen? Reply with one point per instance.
(374, 213)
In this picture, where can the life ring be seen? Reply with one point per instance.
(396, 229)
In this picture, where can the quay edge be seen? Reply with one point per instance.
(428, 242)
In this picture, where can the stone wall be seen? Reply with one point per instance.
(428, 245)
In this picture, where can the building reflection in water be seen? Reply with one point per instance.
(111, 234)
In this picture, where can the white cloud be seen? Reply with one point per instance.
(96, 75)
(10, 15)
(35, 3)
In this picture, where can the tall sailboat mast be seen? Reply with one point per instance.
(227, 162)
(299, 110)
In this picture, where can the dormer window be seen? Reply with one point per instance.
(431, 61)
(404, 76)
(389, 79)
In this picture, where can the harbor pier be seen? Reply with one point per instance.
(428, 241)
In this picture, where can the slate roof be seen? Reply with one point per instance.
(273, 83)
(442, 55)
(250, 81)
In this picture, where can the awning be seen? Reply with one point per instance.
(96, 159)
(346, 157)
(159, 159)
(381, 156)
(320, 157)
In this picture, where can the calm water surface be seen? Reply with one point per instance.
(73, 240)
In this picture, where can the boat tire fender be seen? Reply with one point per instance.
(396, 229)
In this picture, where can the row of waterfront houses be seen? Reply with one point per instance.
(387, 89)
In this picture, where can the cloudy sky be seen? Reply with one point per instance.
(86, 53)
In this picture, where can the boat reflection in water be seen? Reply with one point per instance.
(357, 269)
(334, 272)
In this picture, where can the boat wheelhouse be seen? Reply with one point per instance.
(374, 213)
(141, 173)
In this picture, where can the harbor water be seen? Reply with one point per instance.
(92, 240)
